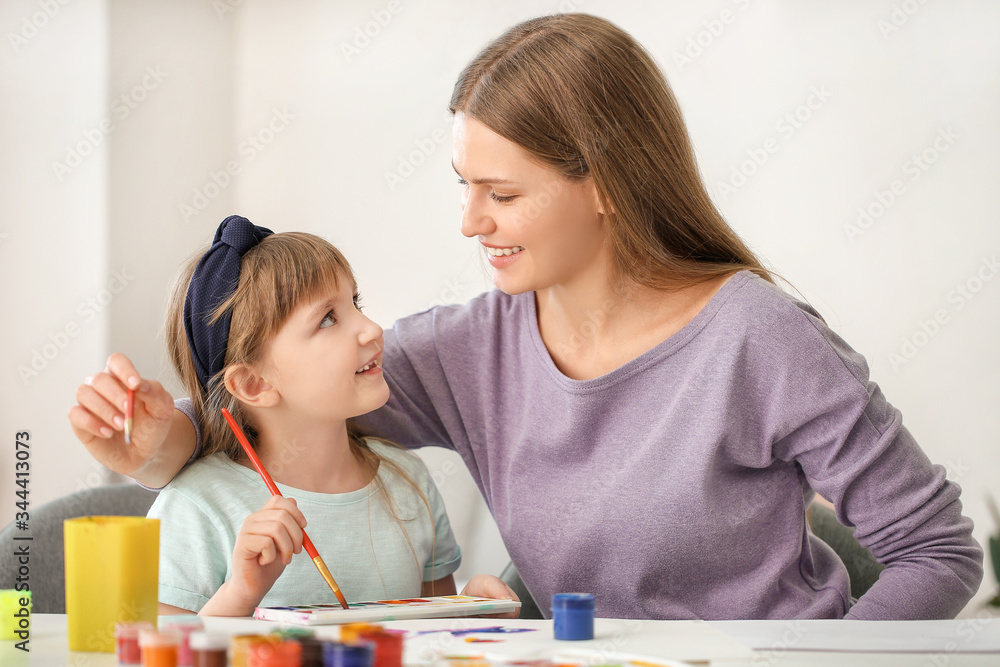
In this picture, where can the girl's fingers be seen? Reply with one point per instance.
(257, 548)
(97, 404)
(277, 526)
(121, 367)
(288, 505)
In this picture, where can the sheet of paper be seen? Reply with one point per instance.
(615, 640)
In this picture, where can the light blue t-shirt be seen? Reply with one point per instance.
(202, 510)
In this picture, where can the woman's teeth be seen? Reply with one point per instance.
(497, 252)
(368, 367)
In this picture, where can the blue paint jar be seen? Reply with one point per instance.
(573, 615)
(358, 654)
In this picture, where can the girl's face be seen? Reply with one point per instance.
(538, 229)
(326, 361)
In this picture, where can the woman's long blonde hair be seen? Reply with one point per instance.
(276, 275)
(583, 97)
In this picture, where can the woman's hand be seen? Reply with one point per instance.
(98, 419)
(488, 586)
(264, 546)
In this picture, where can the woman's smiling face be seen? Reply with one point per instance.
(538, 228)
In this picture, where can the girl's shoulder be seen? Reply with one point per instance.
(406, 460)
(211, 481)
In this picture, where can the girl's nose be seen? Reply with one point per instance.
(370, 331)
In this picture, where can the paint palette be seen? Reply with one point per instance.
(446, 606)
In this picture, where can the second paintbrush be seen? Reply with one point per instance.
(272, 487)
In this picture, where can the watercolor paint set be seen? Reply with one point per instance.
(447, 606)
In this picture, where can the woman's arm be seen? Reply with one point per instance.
(819, 409)
(163, 439)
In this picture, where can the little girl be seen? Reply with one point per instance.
(270, 327)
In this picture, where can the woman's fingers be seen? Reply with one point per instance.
(86, 426)
(155, 400)
(122, 369)
(97, 395)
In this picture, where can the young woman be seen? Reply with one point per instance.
(646, 413)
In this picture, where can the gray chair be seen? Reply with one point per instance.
(861, 565)
(47, 575)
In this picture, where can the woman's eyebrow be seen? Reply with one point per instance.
(479, 181)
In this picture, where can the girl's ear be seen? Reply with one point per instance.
(250, 387)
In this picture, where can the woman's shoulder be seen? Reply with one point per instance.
(483, 311)
(773, 324)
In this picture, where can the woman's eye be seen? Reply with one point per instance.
(328, 320)
(503, 199)
(462, 182)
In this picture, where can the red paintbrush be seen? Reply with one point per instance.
(306, 542)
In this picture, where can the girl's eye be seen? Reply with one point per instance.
(462, 181)
(329, 317)
(357, 302)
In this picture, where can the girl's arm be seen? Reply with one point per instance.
(443, 586)
(170, 610)
(163, 439)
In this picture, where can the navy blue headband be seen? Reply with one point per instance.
(214, 281)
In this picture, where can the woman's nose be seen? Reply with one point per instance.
(475, 220)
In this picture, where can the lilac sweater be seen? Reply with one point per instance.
(676, 485)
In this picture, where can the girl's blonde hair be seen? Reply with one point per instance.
(276, 275)
(584, 98)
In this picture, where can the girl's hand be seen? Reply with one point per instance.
(488, 586)
(98, 419)
(264, 546)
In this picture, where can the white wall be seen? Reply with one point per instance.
(346, 122)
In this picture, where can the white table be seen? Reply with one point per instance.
(959, 643)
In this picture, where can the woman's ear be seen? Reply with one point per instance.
(592, 192)
(250, 387)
